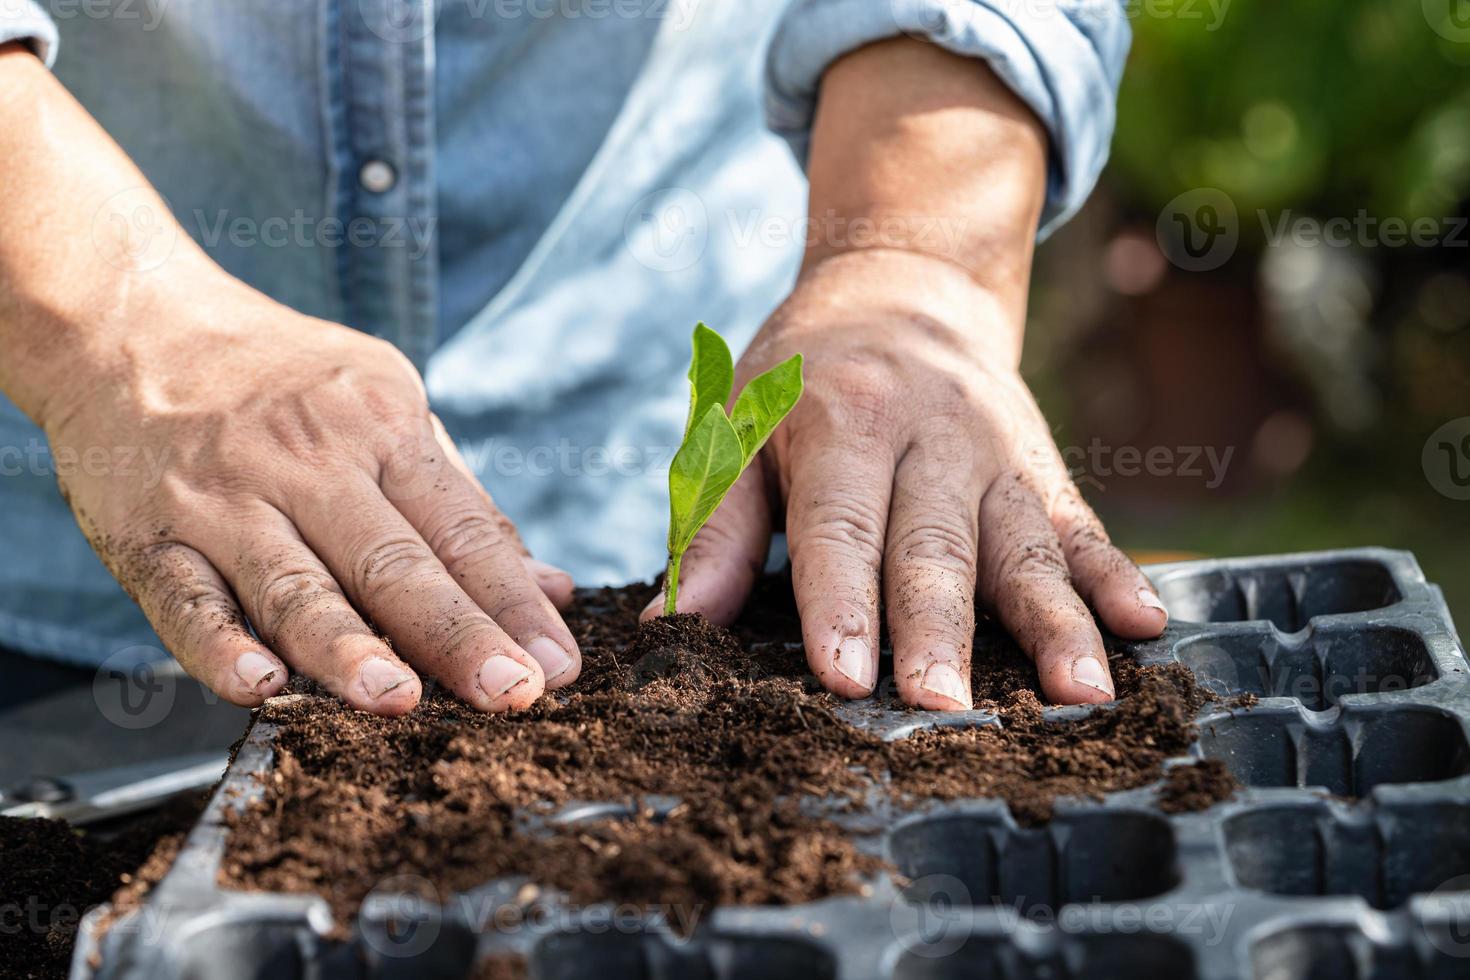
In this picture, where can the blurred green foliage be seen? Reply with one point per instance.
(1326, 106)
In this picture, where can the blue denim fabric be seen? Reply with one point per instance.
(533, 199)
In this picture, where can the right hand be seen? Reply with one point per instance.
(298, 481)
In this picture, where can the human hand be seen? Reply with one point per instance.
(303, 487)
(917, 467)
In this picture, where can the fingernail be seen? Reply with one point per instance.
(543, 569)
(1087, 670)
(1147, 598)
(854, 660)
(944, 680)
(554, 660)
(255, 669)
(378, 676)
(500, 674)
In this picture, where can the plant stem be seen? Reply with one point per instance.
(671, 584)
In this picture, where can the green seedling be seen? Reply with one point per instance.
(718, 447)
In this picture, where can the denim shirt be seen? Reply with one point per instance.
(533, 199)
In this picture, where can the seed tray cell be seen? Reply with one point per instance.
(1346, 855)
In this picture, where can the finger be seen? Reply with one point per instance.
(1024, 577)
(191, 609)
(465, 531)
(427, 480)
(299, 609)
(556, 583)
(1104, 576)
(837, 508)
(929, 578)
(727, 555)
(392, 575)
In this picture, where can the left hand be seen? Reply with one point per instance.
(917, 467)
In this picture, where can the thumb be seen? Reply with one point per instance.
(721, 566)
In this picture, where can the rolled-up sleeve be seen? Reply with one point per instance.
(24, 20)
(1063, 58)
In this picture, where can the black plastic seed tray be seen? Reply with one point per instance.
(1346, 857)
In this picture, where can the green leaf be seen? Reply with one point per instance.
(716, 449)
(711, 375)
(702, 472)
(763, 403)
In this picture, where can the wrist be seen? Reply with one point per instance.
(899, 289)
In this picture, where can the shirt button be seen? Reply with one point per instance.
(377, 176)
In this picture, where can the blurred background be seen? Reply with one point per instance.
(1256, 338)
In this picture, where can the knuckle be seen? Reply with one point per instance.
(388, 564)
(289, 594)
(867, 384)
(944, 543)
(519, 606)
(844, 525)
(462, 538)
(174, 590)
(1033, 561)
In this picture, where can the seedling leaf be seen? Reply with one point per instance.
(703, 470)
(711, 375)
(716, 447)
(763, 403)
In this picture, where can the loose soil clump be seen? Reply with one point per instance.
(728, 726)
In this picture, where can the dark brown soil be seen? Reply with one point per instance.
(1196, 787)
(505, 967)
(728, 724)
(51, 874)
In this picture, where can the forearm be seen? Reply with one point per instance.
(76, 270)
(918, 149)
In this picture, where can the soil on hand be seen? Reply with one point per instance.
(716, 744)
(51, 874)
